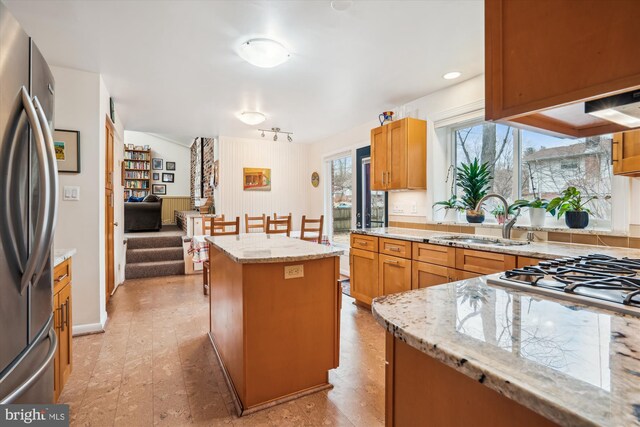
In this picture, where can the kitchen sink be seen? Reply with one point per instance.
(481, 240)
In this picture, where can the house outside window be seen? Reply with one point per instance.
(526, 164)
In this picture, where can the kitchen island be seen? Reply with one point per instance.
(472, 353)
(274, 316)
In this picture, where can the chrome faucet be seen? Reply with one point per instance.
(508, 225)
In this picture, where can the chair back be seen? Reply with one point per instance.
(255, 224)
(280, 217)
(210, 223)
(220, 228)
(311, 230)
(279, 226)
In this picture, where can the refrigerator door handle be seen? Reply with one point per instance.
(51, 190)
(19, 391)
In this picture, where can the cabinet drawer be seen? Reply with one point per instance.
(435, 254)
(525, 261)
(362, 241)
(425, 275)
(400, 248)
(61, 275)
(394, 274)
(483, 262)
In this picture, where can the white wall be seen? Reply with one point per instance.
(169, 151)
(290, 180)
(81, 104)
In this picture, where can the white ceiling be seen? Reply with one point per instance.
(172, 69)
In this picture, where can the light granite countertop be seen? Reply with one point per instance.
(547, 228)
(547, 250)
(59, 255)
(575, 365)
(263, 248)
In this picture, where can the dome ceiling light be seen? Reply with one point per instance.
(264, 53)
(252, 118)
(452, 75)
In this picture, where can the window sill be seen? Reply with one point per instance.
(550, 228)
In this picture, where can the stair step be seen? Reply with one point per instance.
(154, 254)
(139, 270)
(154, 242)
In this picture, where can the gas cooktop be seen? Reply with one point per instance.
(597, 280)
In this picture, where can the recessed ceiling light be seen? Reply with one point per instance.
(265, 53)
(252, 117)
(341, 5)
(452, 75)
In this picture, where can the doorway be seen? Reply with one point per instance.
(371, 205)
(108, 206)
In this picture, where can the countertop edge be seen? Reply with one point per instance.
(61, 255)
(509, 389)
(277, 259)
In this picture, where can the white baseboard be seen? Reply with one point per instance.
(88, 328)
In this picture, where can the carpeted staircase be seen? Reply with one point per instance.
(150, 256)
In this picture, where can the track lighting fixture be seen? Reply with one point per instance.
(275, 132)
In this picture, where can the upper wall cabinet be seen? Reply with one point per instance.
(399, 155)
(625, 153)
(545, 58)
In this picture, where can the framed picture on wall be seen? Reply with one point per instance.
(66, 144)
(256, 179)
(159, 189)
(156, 176)
(171, 166)
(167, 177)
(157, 164)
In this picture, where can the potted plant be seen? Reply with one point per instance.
(473, 179)
(572, 206)
(537, 210)
(451, 208)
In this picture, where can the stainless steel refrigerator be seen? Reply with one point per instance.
(28, 204)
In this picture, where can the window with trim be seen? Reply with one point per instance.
(526, 164)
(341, 192)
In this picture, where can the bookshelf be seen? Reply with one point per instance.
(137, 173)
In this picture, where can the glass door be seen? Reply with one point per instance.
(371, 206)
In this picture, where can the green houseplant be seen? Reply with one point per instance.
(474, 179)
(537, 210)
(572, 206)
(451, 208)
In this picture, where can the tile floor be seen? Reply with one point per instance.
(154, 365)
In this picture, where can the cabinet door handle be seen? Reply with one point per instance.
(394, 248)
(62, 317)
(61, 278)
(362, 243)
(390, 261)
(383, 182)
(614, 149)
(66, 313)
(389, 177)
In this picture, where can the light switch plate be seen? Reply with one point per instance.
(71, 193)
(293, 271)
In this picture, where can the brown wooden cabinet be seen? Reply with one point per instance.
(62, 317)
(545, 58)
(625, 153)
(399, 155)
(395, 247)
(482, 262)
(425, 275)
(364, 275)
(434, 254)
(394, 274)
(525, 261)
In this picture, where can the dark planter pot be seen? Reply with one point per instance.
(475, 217)
(576, 219)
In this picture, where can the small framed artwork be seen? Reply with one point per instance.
(256, 179)
(167, 177)
(139, 147)
(147, 148)
(157, 164)
(159, 189)
(67, 147)
(129, 146)
(171, 166)
(156, 176)
(315, 179)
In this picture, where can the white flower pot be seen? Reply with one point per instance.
(536, 216)
(450, 215)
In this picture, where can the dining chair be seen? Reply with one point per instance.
(279, 217)
(218, 227)
(253, 224)
(209, 223)
(279, 226)
(311, 230)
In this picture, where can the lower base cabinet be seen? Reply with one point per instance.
(394, 274)
(364, 275)
(62, 320)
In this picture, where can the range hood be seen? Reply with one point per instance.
(623, 109)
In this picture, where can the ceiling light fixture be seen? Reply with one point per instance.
(341, 5)
(251, 118)
(275, 132)
(452, 75)
(264, 53)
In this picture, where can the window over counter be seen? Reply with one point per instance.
(524, 163)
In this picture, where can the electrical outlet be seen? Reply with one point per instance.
(71, 193)
(293, 271)
(414, 208)
(397, 209)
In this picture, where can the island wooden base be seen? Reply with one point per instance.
(421, 391)
(276, 338)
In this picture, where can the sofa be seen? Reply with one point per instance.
(145, 215)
